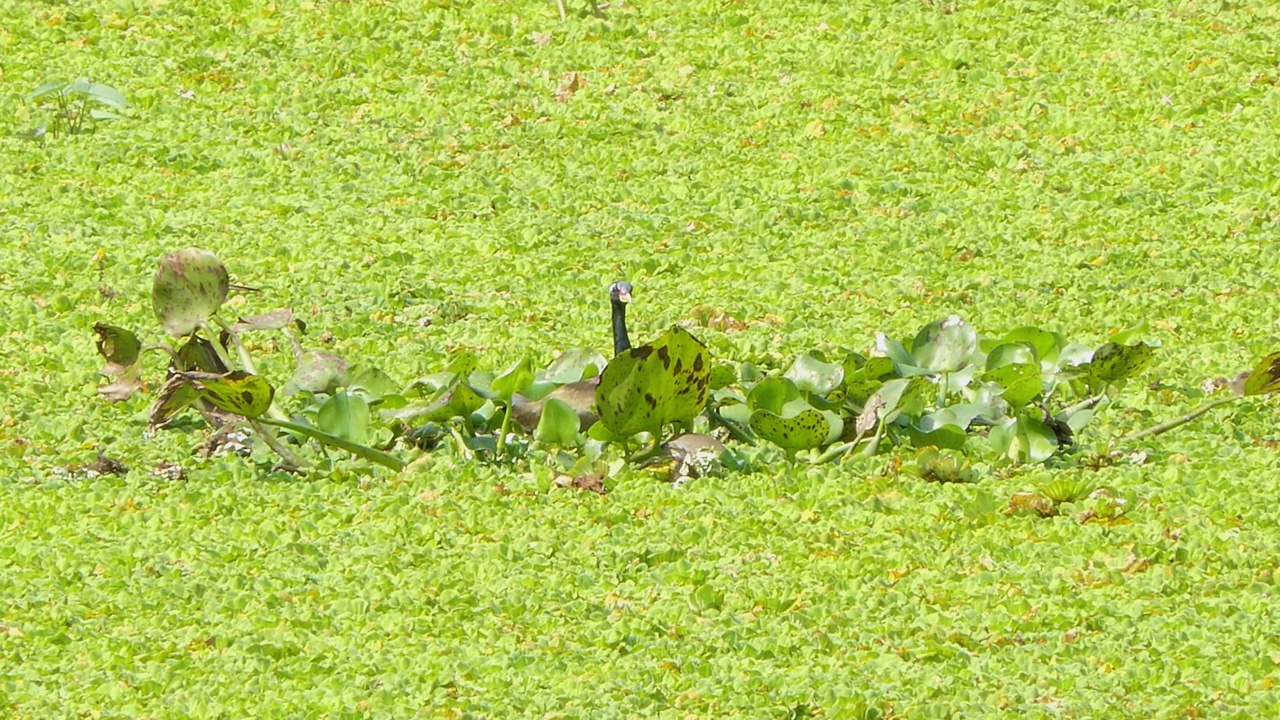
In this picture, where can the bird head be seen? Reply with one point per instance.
(620, 292)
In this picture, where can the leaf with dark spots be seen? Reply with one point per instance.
(236, 392)
(808, 428)
(640, 394)
(317, 372)
(189, 287)
(1112, 363)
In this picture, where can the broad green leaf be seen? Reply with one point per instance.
(106, 95)
(941, 436)
(812, 375)
(118, 346)
(235, 392)
(1045, 344)
(1265, 376)
(573, 365)
(373, 383)
(46, 89)
(1112, 363)
(189, 287)
(1014, 353)
(368, 453)
(1127, 335)
(945, 345)
(1073, 359)
(649, 386)
(558, 425)
(737, 412)
(345, 415)
(960, 416)
(1021, 382)
(1078, 420)
(513, 380)
(318, 371)
(772, 393)
(1025, 439)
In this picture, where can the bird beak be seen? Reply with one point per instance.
(624, 297)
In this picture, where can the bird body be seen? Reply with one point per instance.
(581, 395)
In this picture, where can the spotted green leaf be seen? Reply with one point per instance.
(1112, 363)
(318, 371)
(200, 355)
(797, 427)
(649, 386)
(189, 287)
(236, 392)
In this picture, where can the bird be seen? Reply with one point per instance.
(581, 395)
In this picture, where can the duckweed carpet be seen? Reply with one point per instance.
(418, 176)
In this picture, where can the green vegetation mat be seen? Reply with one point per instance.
(417, 177)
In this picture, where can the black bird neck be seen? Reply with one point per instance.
(621, 343)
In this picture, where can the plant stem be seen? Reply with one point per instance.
(873, 446)
(364, 451)
(734, 429)
(274, 443)
(1180, 420)
(1084, 405)
(506, 427)
(837, 450)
